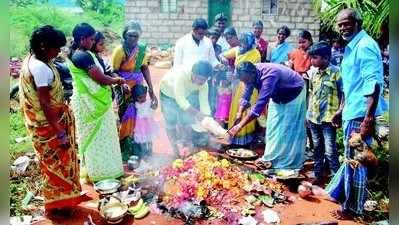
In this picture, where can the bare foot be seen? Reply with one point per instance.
(341, 215)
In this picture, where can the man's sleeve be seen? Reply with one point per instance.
(246, 96)
(265, 92)
(370, 68)
(178, 55)
(203, 100)
(179, 90)
(212, 57)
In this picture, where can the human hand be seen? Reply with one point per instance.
(119, 80)
(126, 88)
(63, 139)
(154, 102)
(200, 116)
(238, 118)
(234, 130)
(336, 120)
(220, 67)
(367, 127)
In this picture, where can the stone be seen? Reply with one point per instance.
(145, 10)
(308, 19)
(314, 26)
(141, 3)
(163, 16)
(284, 19)
(301, 26)
(152, 3)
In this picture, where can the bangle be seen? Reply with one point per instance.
(61, 134)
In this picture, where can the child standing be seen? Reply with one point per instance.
(299, 59)
(224, 96)
(325, 95)
(146, 129)
(214, 34)
(337, 51)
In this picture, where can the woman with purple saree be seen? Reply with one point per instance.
(130, 60)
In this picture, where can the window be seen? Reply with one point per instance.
(168, 6)
(269, 7)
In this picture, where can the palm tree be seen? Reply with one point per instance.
(375, 13)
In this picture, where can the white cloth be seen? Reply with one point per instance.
(187, 52)
(144, 109)
(43, 76)
(223, 43)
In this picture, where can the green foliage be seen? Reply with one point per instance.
(24, 19)
(108, 12)
(23, 3)
(17, 190)
(17, 130)
(375, 13)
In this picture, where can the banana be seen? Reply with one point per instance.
(133, 210)
(142, 212)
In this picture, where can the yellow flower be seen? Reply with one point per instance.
(202, 192)
(225, 163)
(178, 163)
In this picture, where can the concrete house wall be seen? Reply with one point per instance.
(166, 27)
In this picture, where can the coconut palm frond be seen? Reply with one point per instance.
(375, 13)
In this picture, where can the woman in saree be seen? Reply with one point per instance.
(283, 90)
(49, 122)
(91, 101)
(245, 52)
(130, 60)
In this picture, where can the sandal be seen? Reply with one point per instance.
(263, 165)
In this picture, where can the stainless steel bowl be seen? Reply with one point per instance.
(107, 186)
(133, 162)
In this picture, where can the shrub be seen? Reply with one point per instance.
(24, 19)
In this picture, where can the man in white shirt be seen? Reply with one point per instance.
(194, 46)
(221, 22)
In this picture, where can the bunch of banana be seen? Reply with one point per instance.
(140, 210)
(130, 180)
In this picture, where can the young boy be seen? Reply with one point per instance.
(214, 34)
(337, 51)
(325, 94)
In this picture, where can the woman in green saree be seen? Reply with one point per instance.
(91, 102)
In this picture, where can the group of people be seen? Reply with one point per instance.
(87, 121)
(240, 80)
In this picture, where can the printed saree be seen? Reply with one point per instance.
(128, 67)
(96, 128)
(247, 133)
(58, 163)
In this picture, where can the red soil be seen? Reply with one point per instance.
(301, 211)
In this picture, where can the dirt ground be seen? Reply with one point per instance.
(301, 211)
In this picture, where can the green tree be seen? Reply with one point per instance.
(375, 13)
(23, 3)
(106, 11)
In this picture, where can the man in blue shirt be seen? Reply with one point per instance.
(362, 76)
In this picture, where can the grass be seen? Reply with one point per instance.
(17, 129)
(23, 20)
